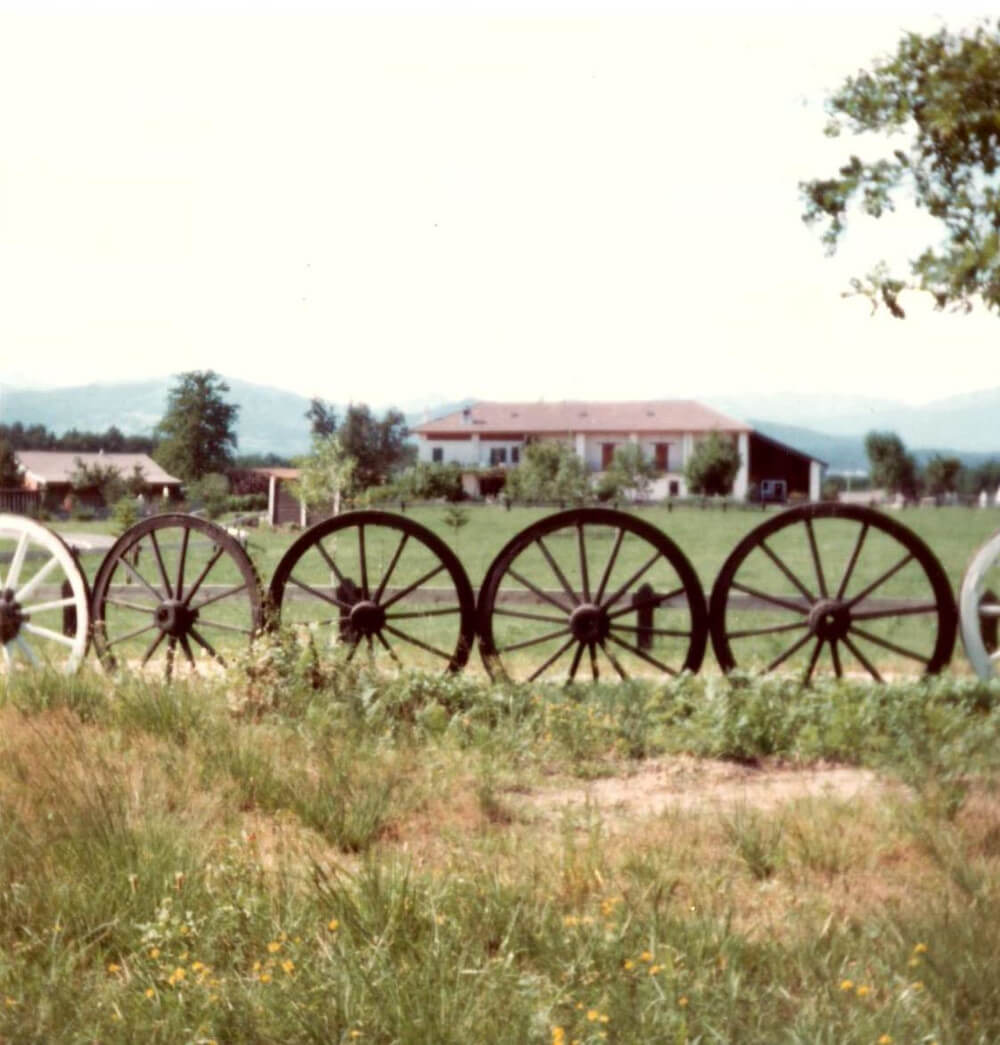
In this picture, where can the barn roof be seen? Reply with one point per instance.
(58, 466)
(657, 415)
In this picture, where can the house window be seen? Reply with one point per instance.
(607, 453)
(437, 455)
(515, 455)
(498, 455)
(661, 456)
(674, 488)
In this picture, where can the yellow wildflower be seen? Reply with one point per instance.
(288, 965)
(114, 967)
(885, 1040)
(629, 963)
(198, 966)
(558, 1036)
(654, 969)
(593, 1015)
(265, 977)
(863, 991)
(646, 956)
(682, 1001)
(847, 985)
(920, 948)
(333, 925)
(177, 976)
(154, 952)
(149, 992)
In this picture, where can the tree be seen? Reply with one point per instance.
(549, 471)
(377, 447)
(630, 470)
(942, 92)
(105, 479)
(197, 434)
(941, 475)
(711, 469)
(10, 473)
(322, 417)
(325, 475)
(889, 465)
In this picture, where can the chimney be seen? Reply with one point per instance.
(467, 416)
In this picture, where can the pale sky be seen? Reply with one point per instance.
(403, 203)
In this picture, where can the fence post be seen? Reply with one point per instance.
(643, 601)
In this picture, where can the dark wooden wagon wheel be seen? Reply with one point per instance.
(594, 582)
(381, 585)
(840, 580)
(174, 592)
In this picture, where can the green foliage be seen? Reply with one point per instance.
(198, 432)
(326, 475)
(429, 482)
(211, 492)
(10, 474)
(322, 418)
(455, 518)
(38, 437)
(377, 447)
(711, 469)
(549, 471)
(124, 515)
(942, 475)
(631, 471)
(890, 466)
(104, 479)
(939, 96)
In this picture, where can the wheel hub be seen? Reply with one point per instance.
(829, 619)
(367, 618)
(174, 618)
(589, 623)
(11, 616)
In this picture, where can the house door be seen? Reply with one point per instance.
(662, 459)
(607, 452)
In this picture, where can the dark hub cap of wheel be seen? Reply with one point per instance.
(829, 619)
(175, 618)
(11, 616)
(367, 618)
(589, 623)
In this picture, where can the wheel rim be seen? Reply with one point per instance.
(377, 588)
(591, 593)
(979, 608)
(174, 594)
(44, 599)
(830, 588)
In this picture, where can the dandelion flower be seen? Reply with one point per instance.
(629, 963)
(654, 969)
(265, 977)
(863, 991)
(646, 956)
(682, 1001)
(273, 947)
(177, 976)
(333, 925)
(288, 965)
(149, 992)
(593, 1015)
(558, 1036)
(886, 1039)
(920, 948)
(154, 952)
(114, 967)
(847, 985)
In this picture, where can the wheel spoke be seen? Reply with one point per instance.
(207, 646)
(555, 656)
(773, 599)
(206, 569)
(26, 651)
(125, 605)
(43, 607)
(182, 563)
(17, 561)
(224, 627)
(794, 648)
(536, 641)
(417, 642)
(131, 634)
(862, 659)
(364, 567)
(576, 662)
(413, 587)
(6, 654)
(673, 633)
(903, 611)
(557, 571)
(584, 575)
(849, 568)
(329, 561)
(186, 647)
(153, 646)
(392, 565)
(614, 663)
(814, 550)
(773, 629)
(765, 548)
(388, 648)
(891, 646)
(612, 558)
(219, 596)
(171, 653)
(592, 647)
(35, 583)
(47, 633)
(159, 562)
(628, 584)
(642, 654)
(836, 658)
(881, 580)
(544, 596)
(812, 660)
(989, 609)
(133, 572)
(498, 612)
(316, 593)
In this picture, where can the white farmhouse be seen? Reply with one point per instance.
(490, 435)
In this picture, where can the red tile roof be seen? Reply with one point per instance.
(661, 415)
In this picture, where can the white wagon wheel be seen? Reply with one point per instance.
(44, 599)
(979, 609)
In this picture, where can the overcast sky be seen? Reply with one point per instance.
(513, 202)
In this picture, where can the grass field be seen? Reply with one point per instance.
(299, 850)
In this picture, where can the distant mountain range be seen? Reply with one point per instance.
(272, 420)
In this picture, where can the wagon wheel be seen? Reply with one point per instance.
(979, 609)
(377, 586)
(831, 586)
(44, 599)
(594, 583)
(173, 594)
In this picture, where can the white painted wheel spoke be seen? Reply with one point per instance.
(17, 562)
(26, 652)
(34, 584)
(6, 654)
(978, 619)
(990, 609)
(44, 607)
(47, 633)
